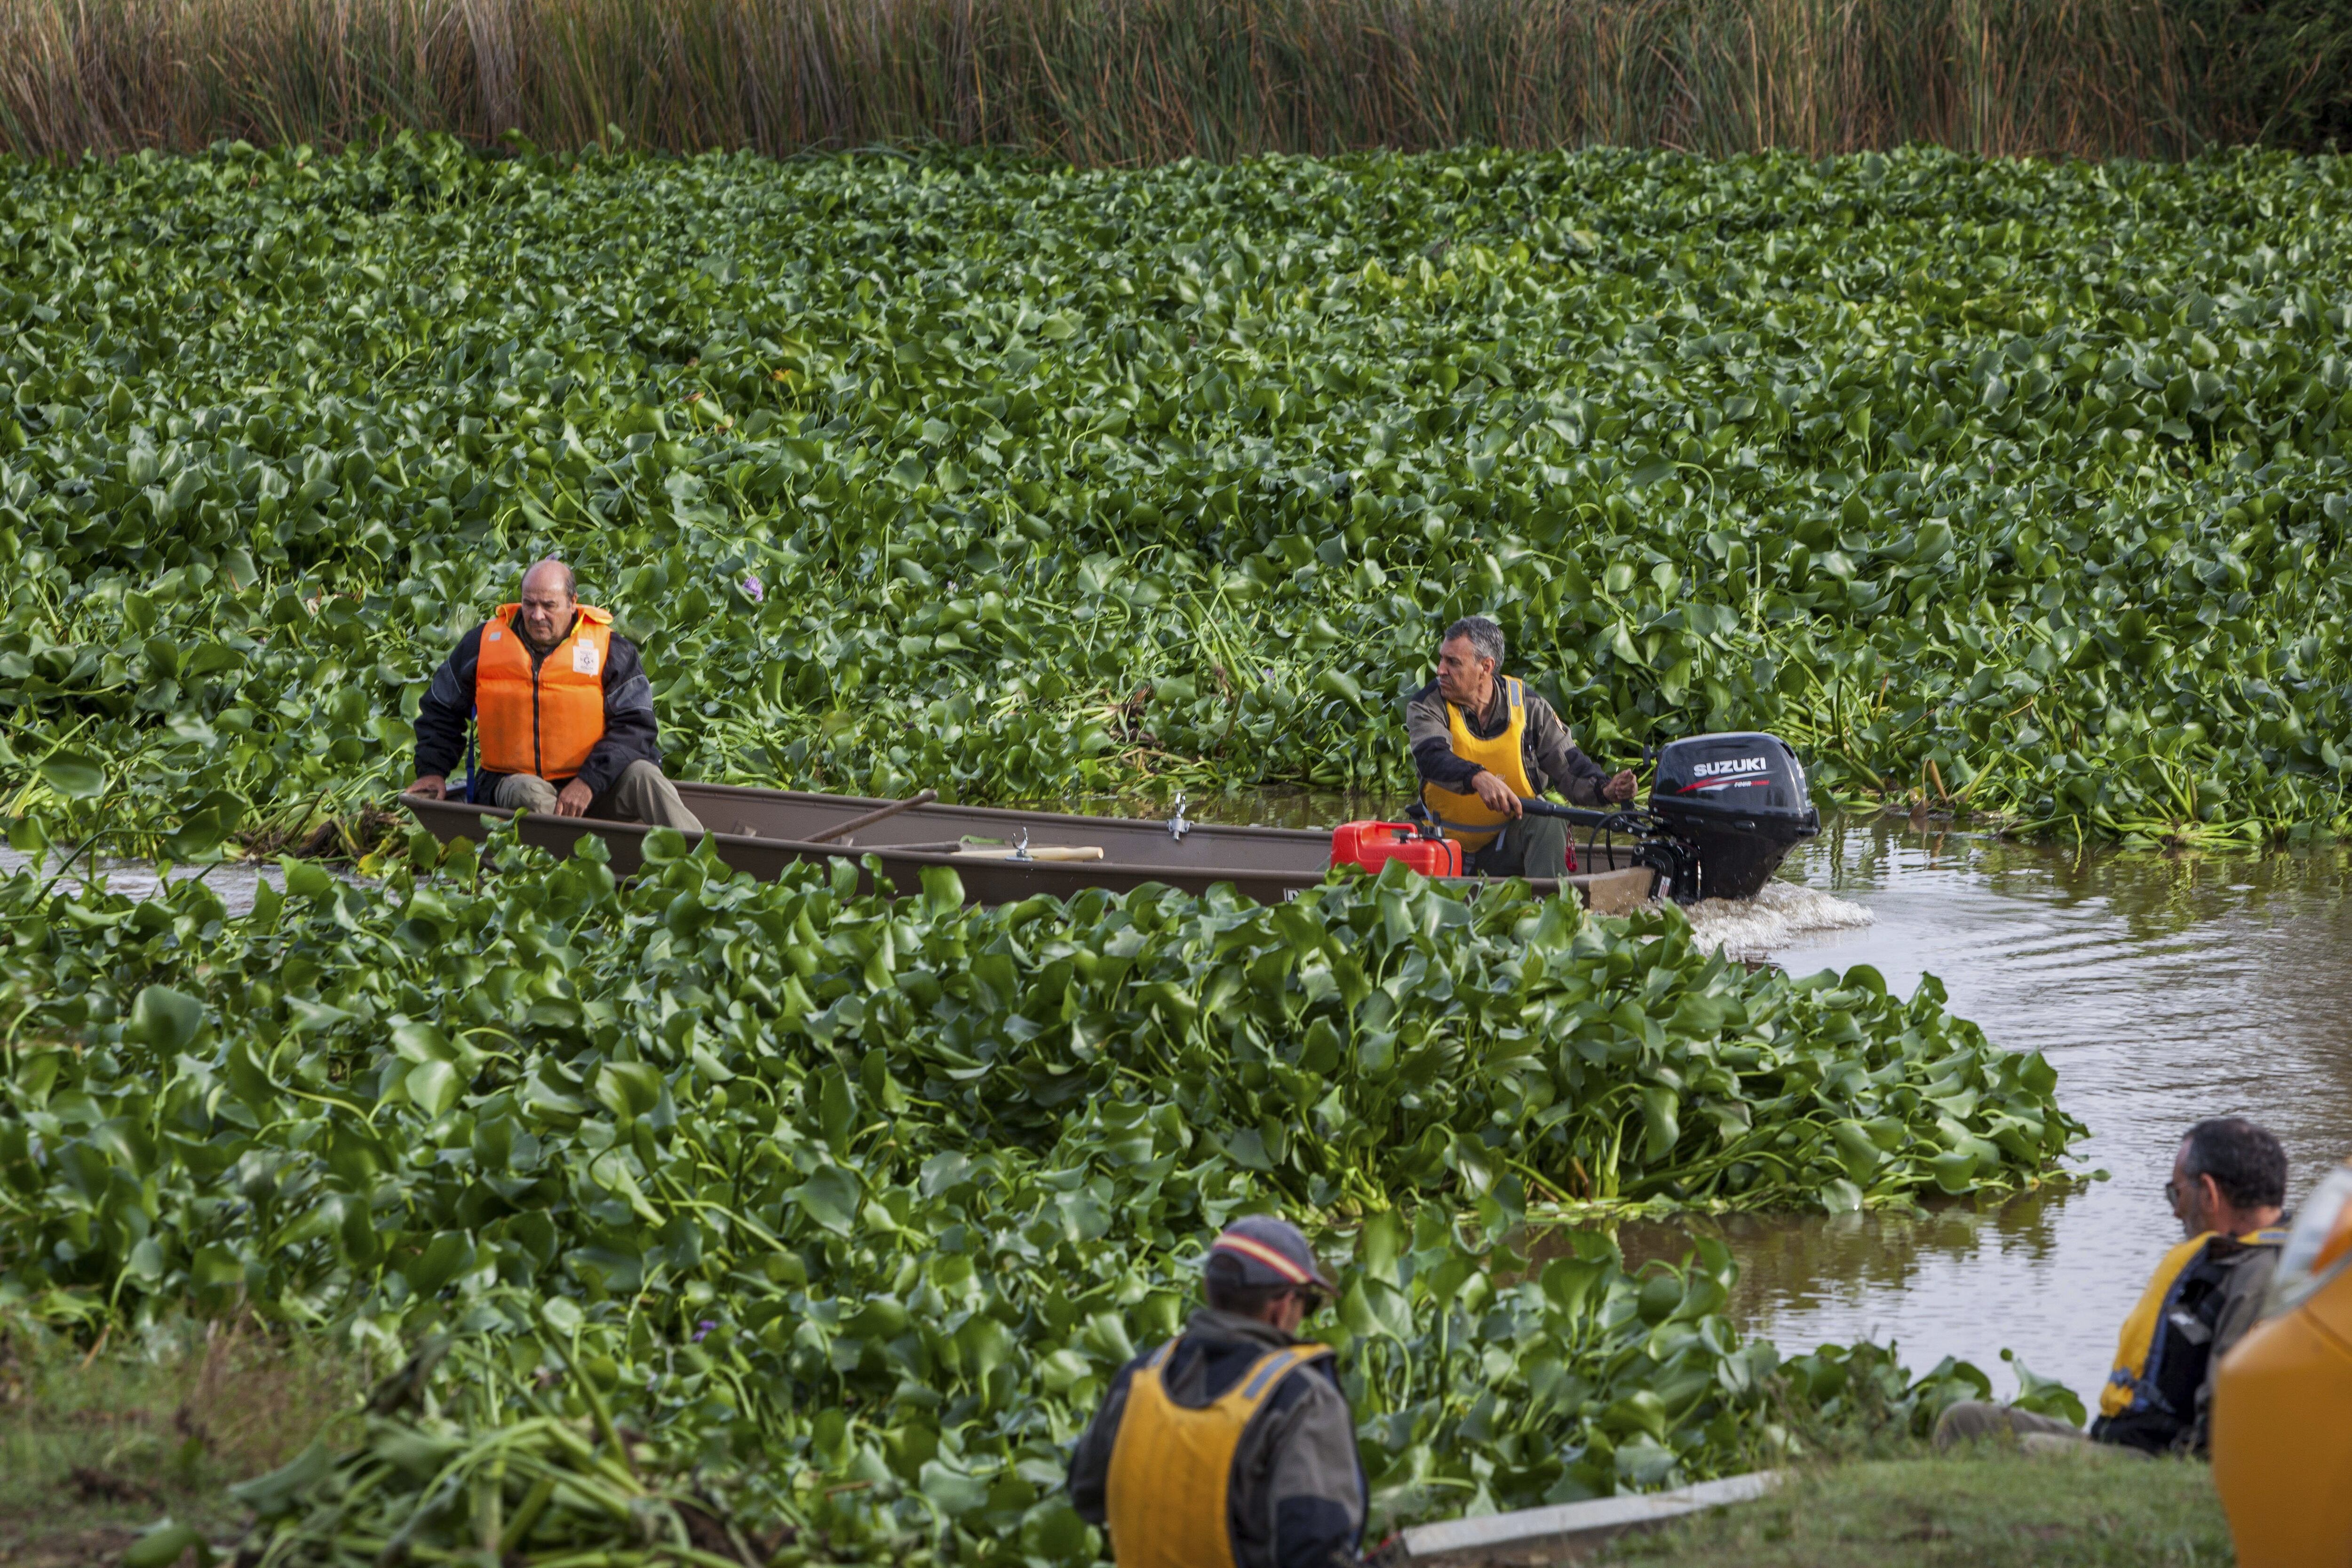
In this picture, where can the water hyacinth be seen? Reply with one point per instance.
(847, 1205)
(2009, 488)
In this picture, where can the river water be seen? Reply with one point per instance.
(233, 880)
(2163, 988)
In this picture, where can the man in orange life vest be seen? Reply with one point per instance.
(2228, 1186)
(1230, 1446)
(1484, 743)
(564, 712)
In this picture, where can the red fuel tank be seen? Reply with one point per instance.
(1374, 845)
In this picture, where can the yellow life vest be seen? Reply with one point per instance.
(1171, 1469)
(2139, 1349)
(1467, 820)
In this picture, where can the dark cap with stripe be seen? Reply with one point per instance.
(1271, 1251)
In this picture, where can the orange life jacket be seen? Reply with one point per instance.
(545, 721)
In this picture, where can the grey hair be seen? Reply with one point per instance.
(1485, 639)
(2246, 1162)
(570, 585)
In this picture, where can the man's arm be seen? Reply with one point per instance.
(447, 708)
(631, 734)
(1559, 765)
(1090, 1460)
(1433, 742)
(1319, 1499)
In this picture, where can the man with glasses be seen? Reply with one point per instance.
(1230, 1446)
(2228, 1190)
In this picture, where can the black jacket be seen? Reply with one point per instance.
(2216, 1299)
(630, 735)
(1296, 1498)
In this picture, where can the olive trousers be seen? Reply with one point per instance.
(1530, 847)
(640, 794)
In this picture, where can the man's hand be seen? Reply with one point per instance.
(572, 799)
(1497, 794)
(1619, 788)
(432, 786)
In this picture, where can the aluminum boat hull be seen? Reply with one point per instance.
(761, 831)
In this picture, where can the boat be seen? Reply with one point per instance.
(1001, 856)
(1724, 811)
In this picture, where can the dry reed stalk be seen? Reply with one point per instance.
(1114, 82)
(489, 25)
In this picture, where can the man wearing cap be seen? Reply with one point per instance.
(1230, 1446)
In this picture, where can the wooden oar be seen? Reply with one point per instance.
(1036, 852)
(972, 851)
(871, 817)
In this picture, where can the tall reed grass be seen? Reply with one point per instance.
(1119, 81)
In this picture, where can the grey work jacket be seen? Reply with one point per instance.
(2242, 1296)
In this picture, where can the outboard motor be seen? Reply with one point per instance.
(1738, 802)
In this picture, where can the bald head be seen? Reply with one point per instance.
(548, 602)
(551, 575)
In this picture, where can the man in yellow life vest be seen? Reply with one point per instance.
(563, 710)
(1230, 1446)
(2227, 1188)
(1484, 743)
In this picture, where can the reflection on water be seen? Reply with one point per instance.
(2164, 989)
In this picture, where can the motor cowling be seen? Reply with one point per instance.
(1739, 802)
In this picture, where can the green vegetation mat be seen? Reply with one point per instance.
(825, 1218)
(2091, 1509)
(2013, 487)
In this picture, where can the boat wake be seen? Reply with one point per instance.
(1752, 928)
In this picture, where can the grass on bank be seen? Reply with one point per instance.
(96, 1445)
(1993, 1507)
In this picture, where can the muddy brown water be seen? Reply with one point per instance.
(2163, 987)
